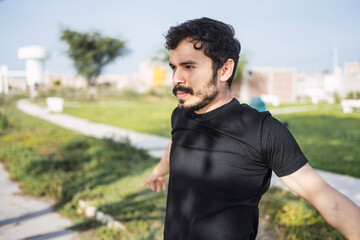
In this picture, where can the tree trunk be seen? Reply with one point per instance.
(92, 91)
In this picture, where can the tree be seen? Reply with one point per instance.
(91, 52)
(161, 56)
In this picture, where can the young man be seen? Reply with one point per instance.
(222, 153)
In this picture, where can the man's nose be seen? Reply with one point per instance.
(178, 77)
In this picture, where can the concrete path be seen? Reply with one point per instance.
(23, 217)
(26, 218)
(154, 144)
(286, 110)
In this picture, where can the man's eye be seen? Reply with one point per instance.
(189, 67)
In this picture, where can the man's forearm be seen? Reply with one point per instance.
(342, 214)
(163, 167)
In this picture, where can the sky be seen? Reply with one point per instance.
(273, 33)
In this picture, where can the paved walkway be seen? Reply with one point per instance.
(17, 213)
(23, 217)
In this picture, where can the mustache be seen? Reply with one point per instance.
(182, 89)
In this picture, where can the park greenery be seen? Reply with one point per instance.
(52, 162)
(91, 52)
(49, 161)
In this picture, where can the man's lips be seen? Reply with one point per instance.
(181, 94)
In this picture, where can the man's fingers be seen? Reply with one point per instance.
(159, 186)
(164, 186)
(150, 178)
(155, 183)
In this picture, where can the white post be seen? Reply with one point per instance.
(4, 80)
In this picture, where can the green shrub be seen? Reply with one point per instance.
(82, 163)
(353, 95)
(4, 122)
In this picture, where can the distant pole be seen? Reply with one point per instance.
(337, 71)
(335, 60)
(4, 80)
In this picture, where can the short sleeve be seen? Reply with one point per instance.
(279, 148)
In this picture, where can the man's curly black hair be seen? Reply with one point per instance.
(216, 40)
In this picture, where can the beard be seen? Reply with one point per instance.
(205, 95)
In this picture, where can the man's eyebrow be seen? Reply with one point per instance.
(190, 62)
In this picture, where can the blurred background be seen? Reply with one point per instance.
(309, 48)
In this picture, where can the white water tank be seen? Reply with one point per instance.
(34, 56)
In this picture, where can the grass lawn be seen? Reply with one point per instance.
(329, 138)
(149, 116)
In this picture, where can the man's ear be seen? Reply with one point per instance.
(227, 70)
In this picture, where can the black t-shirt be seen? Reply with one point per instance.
(220, 166)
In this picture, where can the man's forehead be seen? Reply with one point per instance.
(186, 52)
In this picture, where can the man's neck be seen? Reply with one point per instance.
(219, 101)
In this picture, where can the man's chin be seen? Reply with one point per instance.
(191, 107)
(184, 107)
(181, 101)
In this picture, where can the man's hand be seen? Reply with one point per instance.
(155, 182)
(156, 179)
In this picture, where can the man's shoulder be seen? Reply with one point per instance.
(240, 117)
(250, 114)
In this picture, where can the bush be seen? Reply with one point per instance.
(161, 92)
(66, 93)
(2, 99)
(353, 95)
(4, 122)
(80, 164)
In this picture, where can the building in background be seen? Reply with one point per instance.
(150, 75)
(352, 69)
(273, 85)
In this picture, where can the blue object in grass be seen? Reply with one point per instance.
(258, 104)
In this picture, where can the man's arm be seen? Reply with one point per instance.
(156, 179)
(338, 210)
